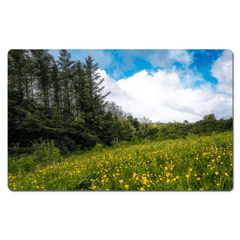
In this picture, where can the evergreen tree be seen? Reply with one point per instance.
(96, 102)
(43, 61)
(17, 72)
(66, 75)
(80, 89)
(56, 85)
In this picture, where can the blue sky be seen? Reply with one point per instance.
(138, 79)
(125, 63)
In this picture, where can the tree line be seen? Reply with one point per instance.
(62, 101)
(59, 100)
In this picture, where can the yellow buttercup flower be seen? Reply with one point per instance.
(216, 173)
(166, 168)
(226, 174)
(187, 176)
(134, 174)
(142, 189)
(126, 186)
(168, 174)
(168, 180)
(190, 169)
(121, 181)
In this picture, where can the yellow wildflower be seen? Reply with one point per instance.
(126, 186)
(187, 176)
(168, 180)
(142, 189)
(121, 181)
(168, 174)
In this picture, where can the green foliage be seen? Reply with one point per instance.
(25, 163)
(173, 136)
(209, 117)
(195, 163)
(46, 152)
(98, 148)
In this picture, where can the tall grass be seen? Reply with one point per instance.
(194, 163)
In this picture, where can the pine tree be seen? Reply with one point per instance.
(96, 102)
(17, 72)
(43, 60)
(66, 75)
(55, 85)
(80, 89)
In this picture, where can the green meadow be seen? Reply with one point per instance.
(193, 163)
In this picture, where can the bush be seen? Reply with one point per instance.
(173, 136)
(98, 148)
(26, 164)
(45, 152)
(16, 150)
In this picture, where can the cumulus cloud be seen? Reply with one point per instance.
(222, 71)
(166, 58)
(162, 97)
(181, 56)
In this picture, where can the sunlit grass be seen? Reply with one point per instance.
(195, 163)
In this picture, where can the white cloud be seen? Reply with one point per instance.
(166, 58)
(222, 71)
(181, 56)
(162, 97)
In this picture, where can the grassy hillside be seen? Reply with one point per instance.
(194, 163)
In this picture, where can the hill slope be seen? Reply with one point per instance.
(194, 163)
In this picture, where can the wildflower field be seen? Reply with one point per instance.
(195, 163)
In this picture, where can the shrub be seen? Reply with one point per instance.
(98, 148)
(46, 152)
(173, 136)
(26, 164)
